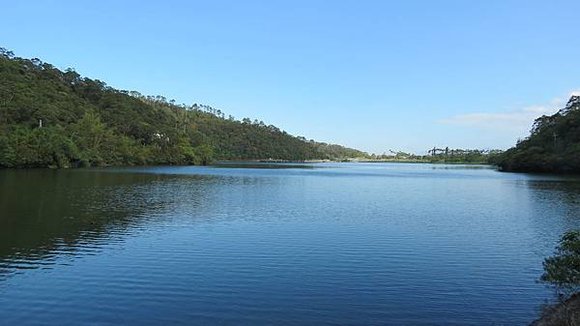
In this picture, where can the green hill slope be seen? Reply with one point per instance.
(553, 145)
(54, 118)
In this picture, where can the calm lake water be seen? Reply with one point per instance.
(279, 244)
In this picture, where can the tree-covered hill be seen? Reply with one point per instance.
(54, 118)
(553, 145)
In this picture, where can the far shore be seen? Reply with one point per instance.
(266, 161)
(359, 160)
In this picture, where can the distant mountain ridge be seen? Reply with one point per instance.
(54, 118)
(553, 145)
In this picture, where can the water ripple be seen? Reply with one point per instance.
(339, 244)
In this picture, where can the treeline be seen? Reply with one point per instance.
(442, 155)
(553, 145)
(54, 118)
(475, 156)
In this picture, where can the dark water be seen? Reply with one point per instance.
(318, 244)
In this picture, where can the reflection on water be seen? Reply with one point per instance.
(303, 244)
(264, 165)
(47, 213)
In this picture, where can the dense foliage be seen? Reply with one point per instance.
(553, 145)
(563, 269)
(443, 155)
(54, 118)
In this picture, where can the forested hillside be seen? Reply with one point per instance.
(54, 118)
(553, 145)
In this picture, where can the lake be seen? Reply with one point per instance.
(276, 244)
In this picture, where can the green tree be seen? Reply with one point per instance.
(90, 134)
(204, 154)
(563, 269)
(86, 122)
(553, 144)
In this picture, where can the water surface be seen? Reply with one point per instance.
(295, 244)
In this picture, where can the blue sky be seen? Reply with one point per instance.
(375, 75)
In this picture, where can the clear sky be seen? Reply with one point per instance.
(375, 75)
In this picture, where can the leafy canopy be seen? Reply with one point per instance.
(553, 144)
(563, 268)
(54, 118)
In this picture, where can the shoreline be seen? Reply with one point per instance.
(264, 161)
(562, 313)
